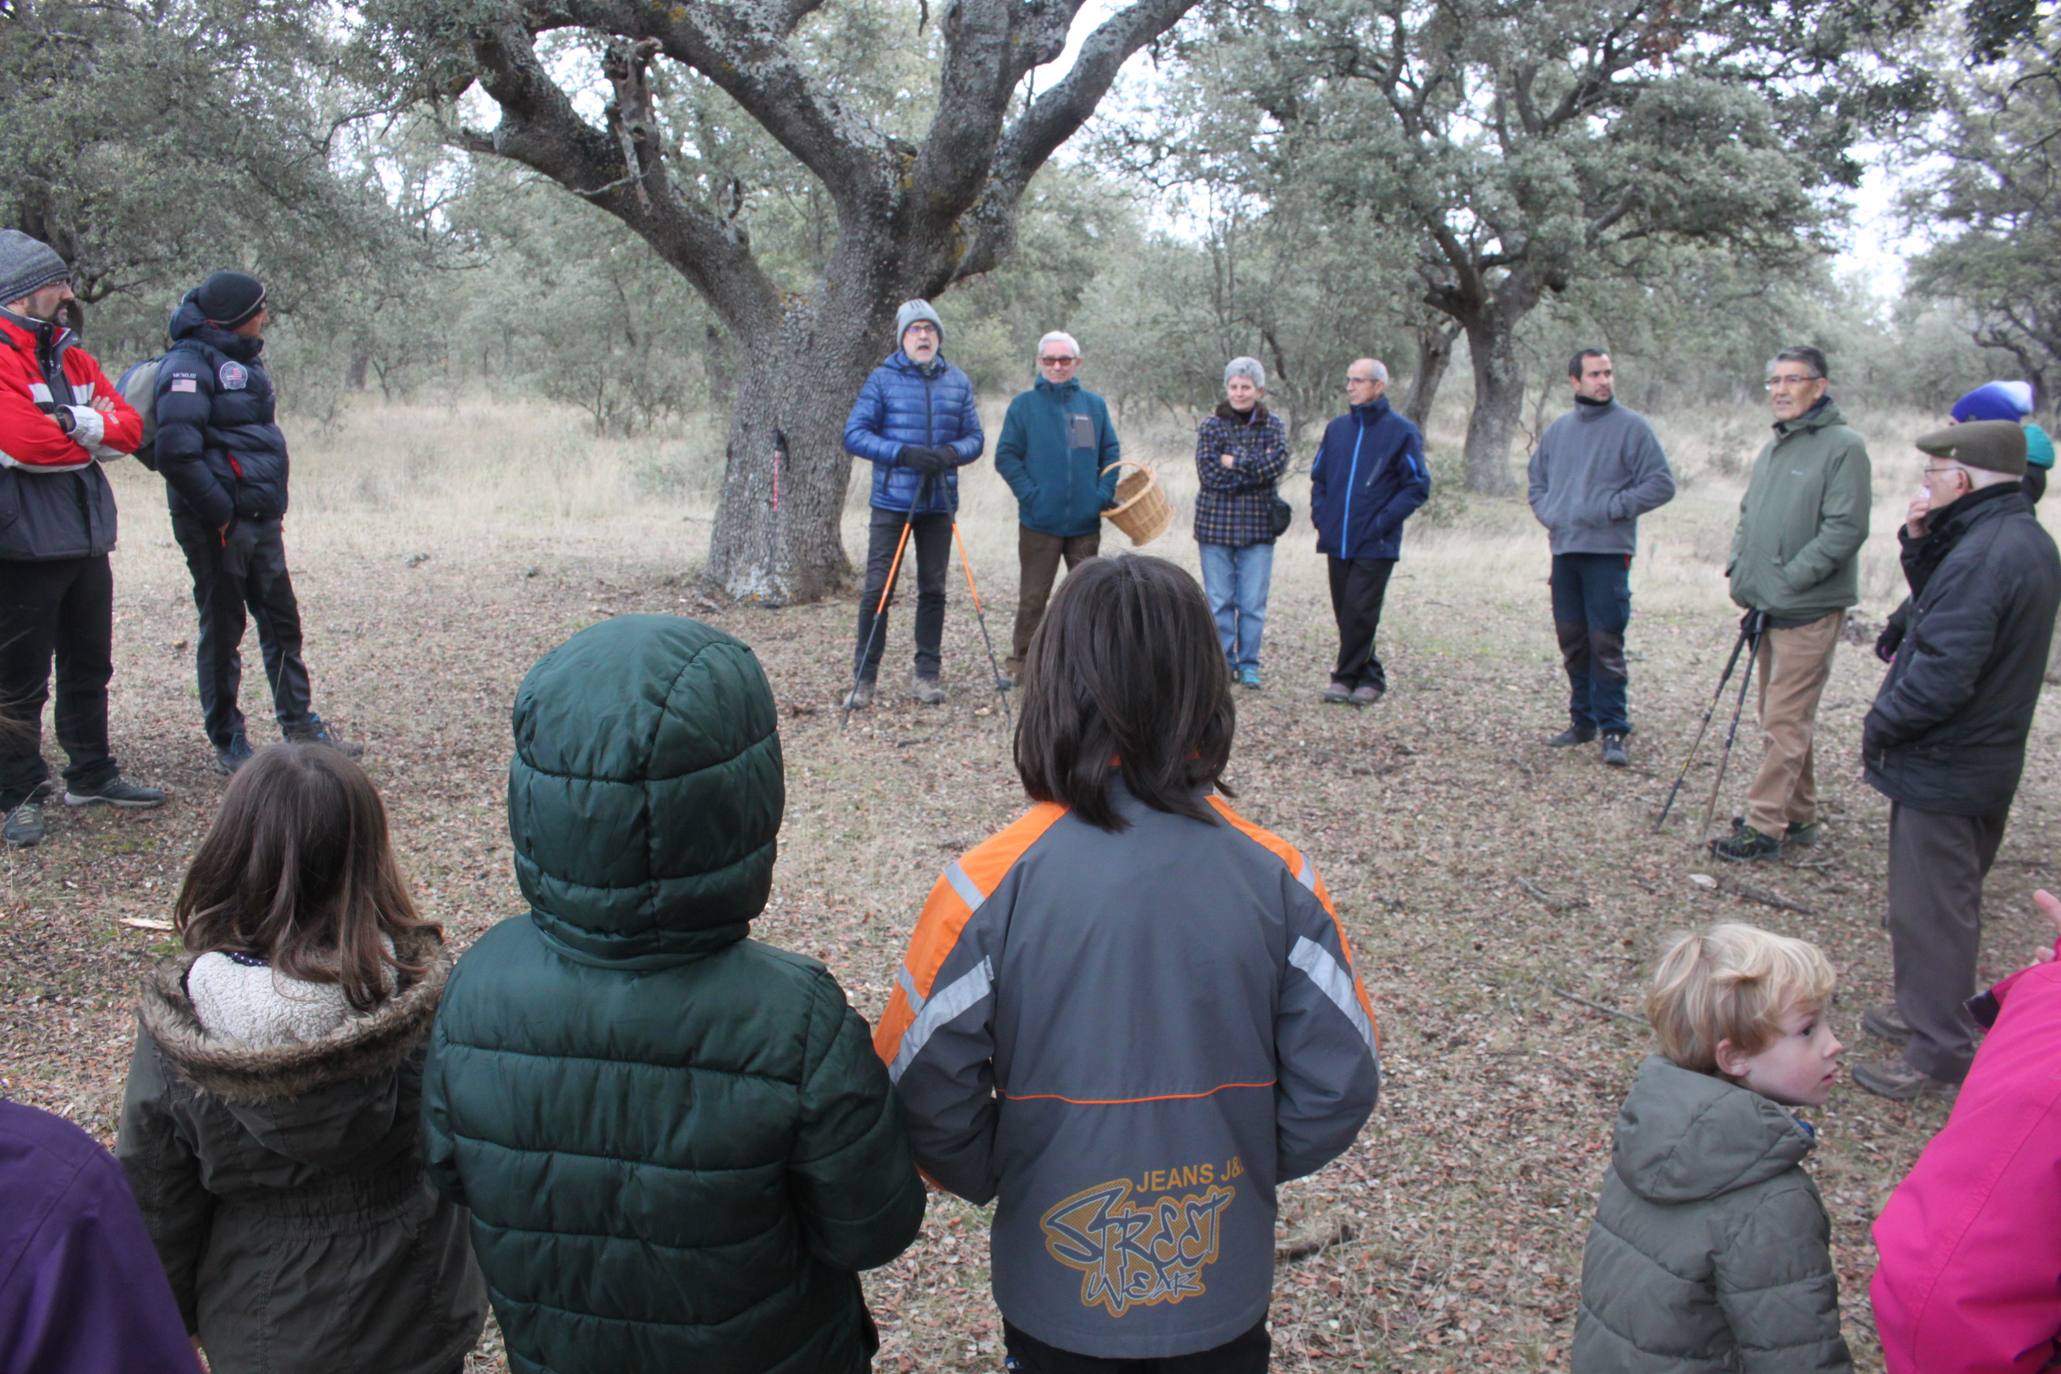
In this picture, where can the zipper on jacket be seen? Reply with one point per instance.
(929, 429)
(1345, 531)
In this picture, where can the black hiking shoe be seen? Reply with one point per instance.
(1337, 694)
(25, 824)
(233, 755)
(1801, 835)
(1746, 845)
(1613, 750)
(116, 791)
(1571, 736)
(315, 732)
(927, 690)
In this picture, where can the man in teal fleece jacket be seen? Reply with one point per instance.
(1056, 442)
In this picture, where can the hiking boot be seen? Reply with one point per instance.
(861, 695)
(1884, 1020)
(1366, 694)
(1571, 736)
(233, 755)
(1801, 835)
(928, 690)
(1746, 845)
(1613, 750)
(1249, 677)
(116, 791)
(315, 732)
(25, 824)
(1337, 694)
(1893, 1078)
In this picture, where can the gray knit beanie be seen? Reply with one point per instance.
(1248, 368)
(27, 265)
(910, 313)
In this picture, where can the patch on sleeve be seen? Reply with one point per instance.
(183, 384)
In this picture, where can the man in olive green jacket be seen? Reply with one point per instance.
(1796, 565)
(677, 1144)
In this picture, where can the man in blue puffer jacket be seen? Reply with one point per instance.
(1369, 475)
(915, 422)
(223, 458)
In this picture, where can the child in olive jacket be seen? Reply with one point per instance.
(1711, 1250)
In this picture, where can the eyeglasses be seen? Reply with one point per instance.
(1058, 362)
(921, 327)
(1774, 382)
(1359, 381)
(1942, 471)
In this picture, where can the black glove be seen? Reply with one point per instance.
(926, 462)
(1886, 642)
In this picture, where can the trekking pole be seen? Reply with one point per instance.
(1708, 712)
(1001, 692)
(886, 590)
(1753, 637)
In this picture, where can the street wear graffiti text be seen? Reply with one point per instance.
(1136, 1254)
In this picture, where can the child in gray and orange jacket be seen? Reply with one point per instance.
(1131, 1014)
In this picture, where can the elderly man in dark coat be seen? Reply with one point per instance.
(1945, 741)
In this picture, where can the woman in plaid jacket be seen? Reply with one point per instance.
(1240, 453)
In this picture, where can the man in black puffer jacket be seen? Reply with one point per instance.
(1945, 741)
(223, 458)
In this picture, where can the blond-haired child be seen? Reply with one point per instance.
(1710, 1249)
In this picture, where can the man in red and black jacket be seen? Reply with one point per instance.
(58, 414)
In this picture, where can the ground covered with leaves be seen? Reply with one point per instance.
(1503, 899)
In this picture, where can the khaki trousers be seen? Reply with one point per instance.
(1038, 555)
(1794, 666)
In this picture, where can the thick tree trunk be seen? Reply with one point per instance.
(776, 536)
(1435, 341)
(1498, 402)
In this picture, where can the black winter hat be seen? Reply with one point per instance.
(230, 298)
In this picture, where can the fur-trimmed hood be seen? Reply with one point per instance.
(363, 1048)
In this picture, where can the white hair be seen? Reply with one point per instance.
(1060, 336)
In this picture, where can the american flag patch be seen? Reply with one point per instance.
(183, 384)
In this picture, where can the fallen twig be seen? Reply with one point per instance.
(1548, 900)
(1766, 898)
(1303, 1249)
(1595, 1006)
(145, 923)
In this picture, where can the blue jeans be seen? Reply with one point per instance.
(1235, 581)
(1592, 604)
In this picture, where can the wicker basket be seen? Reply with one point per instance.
(1141, 510)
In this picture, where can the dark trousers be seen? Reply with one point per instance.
(1936, 867)
(1592, 604)
(63, 610)
(1358, 586)
(249, 572)
(930, 540)
(1038, 555)
(1245, 1355)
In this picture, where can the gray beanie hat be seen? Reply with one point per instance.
(27, 265)
(1248, 368)
(910, 313)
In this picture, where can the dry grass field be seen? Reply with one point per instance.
(1487, 882)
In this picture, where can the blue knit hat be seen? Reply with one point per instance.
(1995, 401)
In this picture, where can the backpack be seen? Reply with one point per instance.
(138, 386)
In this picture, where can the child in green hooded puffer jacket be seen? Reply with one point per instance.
(1711, 1249)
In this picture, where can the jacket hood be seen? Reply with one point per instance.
(1684, 1136)
(324, 1102)
(1059, 390)
(646, 791)
(188, 322)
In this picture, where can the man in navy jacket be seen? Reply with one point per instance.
(1369, 475)
(223, 458)
(915, 422)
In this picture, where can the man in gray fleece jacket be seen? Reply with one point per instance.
(1598, 468)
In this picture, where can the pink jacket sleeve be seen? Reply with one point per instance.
(1969, 1280)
